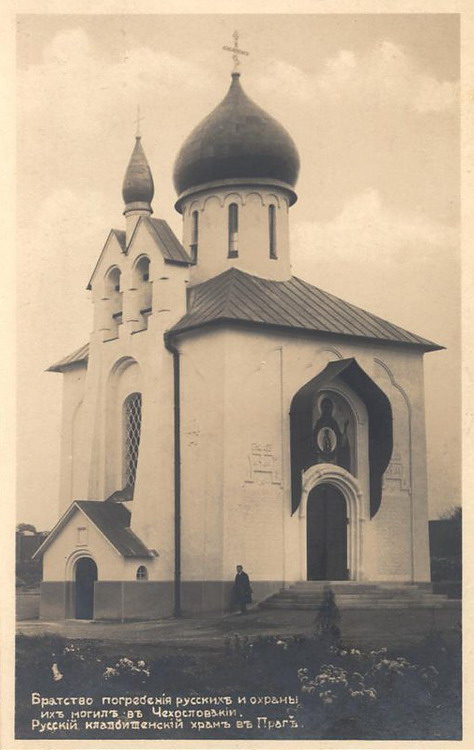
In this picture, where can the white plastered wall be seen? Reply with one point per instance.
(253, 234)
(81, 538)
(247, 445)
(136, 360)
(71, 468)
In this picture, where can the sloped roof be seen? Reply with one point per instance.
(121, 237)
(111, 519)
(171, 248)
(77, 357)
(238, 296)
(168, 244)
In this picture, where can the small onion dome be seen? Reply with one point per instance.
(138, 185)
(237, 140)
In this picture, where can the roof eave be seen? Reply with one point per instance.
(425, 347)
(77, 506)
(240, 181)
(68, 366)
(176, 262)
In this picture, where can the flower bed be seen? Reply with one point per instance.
(340, 692)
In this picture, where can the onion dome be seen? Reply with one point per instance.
(138, 188)
(238, 140)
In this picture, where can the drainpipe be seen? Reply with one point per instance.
(177, 474)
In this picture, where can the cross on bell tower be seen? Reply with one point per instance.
(235, 51)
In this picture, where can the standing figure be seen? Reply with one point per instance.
(242, 592)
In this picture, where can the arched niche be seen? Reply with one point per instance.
(125, 379)
(379, 417)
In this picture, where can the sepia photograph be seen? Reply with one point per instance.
(238, 487)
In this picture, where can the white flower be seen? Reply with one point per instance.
(56, 673)
(110, 672)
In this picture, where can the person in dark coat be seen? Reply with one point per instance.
(242, 592)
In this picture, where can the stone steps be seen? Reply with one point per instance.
(355, 595)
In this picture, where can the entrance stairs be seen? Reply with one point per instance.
(358, 595)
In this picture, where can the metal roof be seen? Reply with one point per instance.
(238, 139)
(238, 296)
(121, 237)
(77, 357)
(111, 519)
(171, 248)
(138, 181)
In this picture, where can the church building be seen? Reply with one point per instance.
(225, 412)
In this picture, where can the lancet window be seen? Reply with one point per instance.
(194, 236)
(272, 239)
(233, 225)
(132, 429)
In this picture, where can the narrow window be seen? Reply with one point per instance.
(233, 249)
(132, 429)
(194, 236)
(142, 573)
(272, 231)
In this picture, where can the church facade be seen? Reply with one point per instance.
(225, 412)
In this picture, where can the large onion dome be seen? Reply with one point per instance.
(138, 181)
(237, 140)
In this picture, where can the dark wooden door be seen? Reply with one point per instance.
(326, 530)
(86, 576)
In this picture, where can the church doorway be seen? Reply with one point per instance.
(86, 576)
(326, 530)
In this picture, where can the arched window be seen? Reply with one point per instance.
(233, 246)
(142, 573)
(272, 231)
(194, 236)
(132, 427)
(113, 300)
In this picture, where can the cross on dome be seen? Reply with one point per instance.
(138, 133)
(235, 51)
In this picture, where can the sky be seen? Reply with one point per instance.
(371, 102)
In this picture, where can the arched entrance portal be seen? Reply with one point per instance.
(326, 530)
(86, 575)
